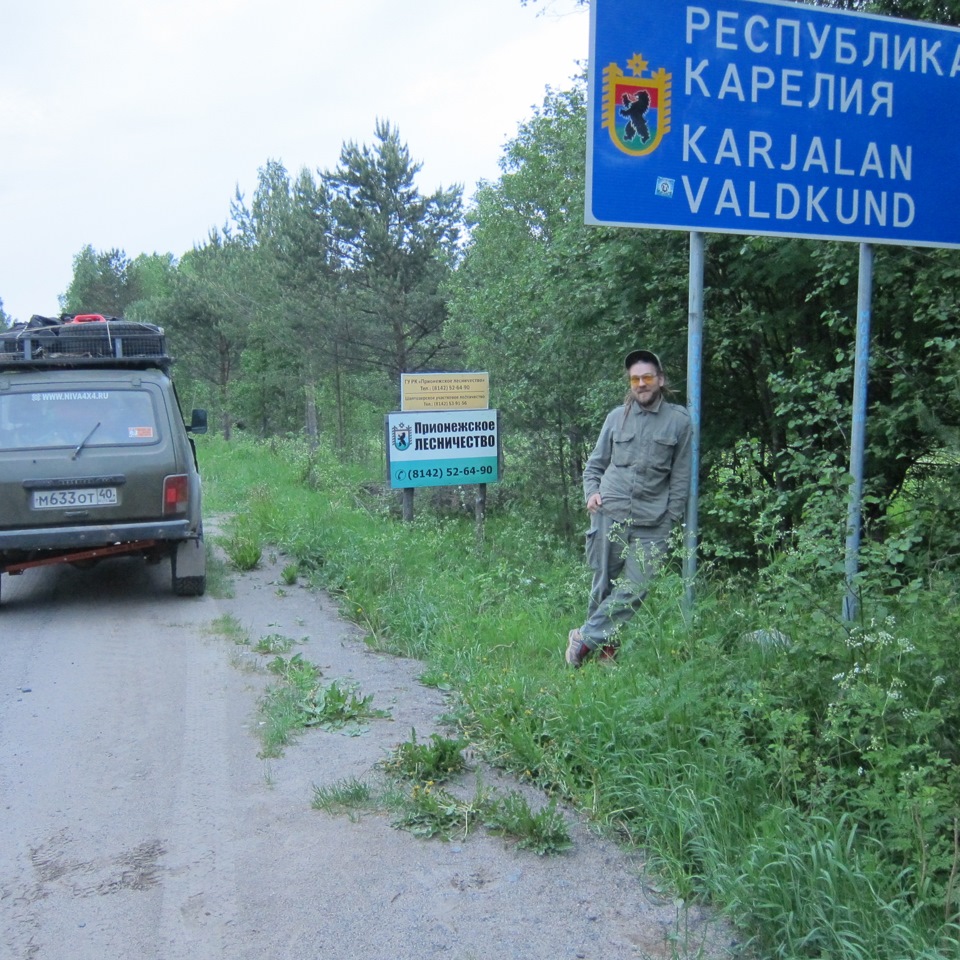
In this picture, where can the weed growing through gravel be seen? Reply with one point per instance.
(299, 700)
(276, 643)
(424, 808)
(350, 796)
(338, 705)
(280, 720)
(542, 832)
(296, 672)
(434, 761)
(229, 627)
(219, 583)
(427, 811)
(244, 552)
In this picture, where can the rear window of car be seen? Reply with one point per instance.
(67, 418)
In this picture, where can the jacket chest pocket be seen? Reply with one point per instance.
(654, 452)
(661, 452)
(623, 454)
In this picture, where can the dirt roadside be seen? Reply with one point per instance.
(144, 824)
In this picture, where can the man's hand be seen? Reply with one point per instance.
(594, 503)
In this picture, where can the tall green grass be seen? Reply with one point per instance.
(809, 788)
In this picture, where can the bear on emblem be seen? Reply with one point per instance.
(635, 105)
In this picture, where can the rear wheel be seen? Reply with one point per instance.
(189, 586)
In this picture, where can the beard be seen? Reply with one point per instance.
(647, 397)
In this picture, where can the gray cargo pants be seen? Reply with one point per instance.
(624, 558)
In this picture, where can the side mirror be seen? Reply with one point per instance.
(198, 422)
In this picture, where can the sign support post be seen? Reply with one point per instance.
(694, 378)
(858, 432)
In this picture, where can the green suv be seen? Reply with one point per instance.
(95, 457)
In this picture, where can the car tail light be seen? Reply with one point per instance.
(176, 494)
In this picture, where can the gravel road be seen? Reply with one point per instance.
(139, 821)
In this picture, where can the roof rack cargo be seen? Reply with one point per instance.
(83, 340)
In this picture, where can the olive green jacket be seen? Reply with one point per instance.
(641, 465)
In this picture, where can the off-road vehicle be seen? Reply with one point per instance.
(95, 457)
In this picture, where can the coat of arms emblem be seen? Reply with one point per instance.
(636, 109)
(401, 436)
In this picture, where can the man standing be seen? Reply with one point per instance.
(635, 484)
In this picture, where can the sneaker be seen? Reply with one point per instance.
(608, 654)
(577, 650)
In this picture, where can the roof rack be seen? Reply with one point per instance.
(83, 340)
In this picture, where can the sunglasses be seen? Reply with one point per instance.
(647, 379)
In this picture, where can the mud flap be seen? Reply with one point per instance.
(190, 558)
(188, 567)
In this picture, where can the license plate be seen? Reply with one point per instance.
(90, 497)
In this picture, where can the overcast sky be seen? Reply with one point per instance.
(129, 124)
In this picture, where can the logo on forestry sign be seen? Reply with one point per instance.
(400, 435)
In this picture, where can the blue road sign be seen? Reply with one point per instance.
(767, 117)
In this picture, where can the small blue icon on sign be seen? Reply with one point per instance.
(665, 187)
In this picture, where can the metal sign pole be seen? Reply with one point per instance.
(694, 377)
(858, 433)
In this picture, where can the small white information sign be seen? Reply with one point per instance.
(444, 391)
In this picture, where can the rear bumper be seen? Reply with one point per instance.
(77, 538)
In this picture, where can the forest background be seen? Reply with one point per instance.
(807, 780)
